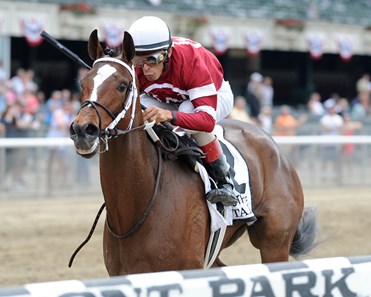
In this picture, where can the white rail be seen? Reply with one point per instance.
(340, 276)
(34, 142)
(322, 139)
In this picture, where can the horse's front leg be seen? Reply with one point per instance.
(111, 254)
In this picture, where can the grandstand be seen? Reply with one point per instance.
(284, 25)
(334, 11)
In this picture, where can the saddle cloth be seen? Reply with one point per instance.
(242, 187)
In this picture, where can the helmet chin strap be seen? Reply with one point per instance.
(166, 60)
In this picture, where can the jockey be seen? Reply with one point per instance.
(182, 82)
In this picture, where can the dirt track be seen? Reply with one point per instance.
(39, 236)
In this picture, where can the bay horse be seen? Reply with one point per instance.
(156, 213)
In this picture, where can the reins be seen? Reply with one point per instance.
(92, 229)
(149, 206)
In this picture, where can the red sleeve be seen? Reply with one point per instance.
(201, 120)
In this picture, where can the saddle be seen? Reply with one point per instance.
(174, 146)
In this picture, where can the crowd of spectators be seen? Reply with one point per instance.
(26, 112)
(335, 115)
(282, 121)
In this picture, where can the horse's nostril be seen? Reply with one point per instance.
(72, 130)
(92, 130)
(83, 131)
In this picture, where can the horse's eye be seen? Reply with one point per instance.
(122, 87)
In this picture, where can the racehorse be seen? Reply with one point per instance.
(156, 214)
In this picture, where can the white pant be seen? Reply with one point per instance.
(224, 107)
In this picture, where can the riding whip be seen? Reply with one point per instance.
(63, 49)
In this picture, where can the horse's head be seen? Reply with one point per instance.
(108, 96)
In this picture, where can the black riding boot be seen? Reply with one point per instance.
(219, 171)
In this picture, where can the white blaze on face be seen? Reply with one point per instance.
(102, 74)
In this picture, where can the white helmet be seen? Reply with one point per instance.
(150, 34)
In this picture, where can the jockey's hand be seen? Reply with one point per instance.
(157, 114)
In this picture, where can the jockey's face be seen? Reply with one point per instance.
(153, 72)
(151, 64)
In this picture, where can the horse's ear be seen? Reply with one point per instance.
(128, 49)
(95, 49)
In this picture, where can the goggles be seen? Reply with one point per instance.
(155, 59)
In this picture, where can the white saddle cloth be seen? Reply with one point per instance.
(241, 179)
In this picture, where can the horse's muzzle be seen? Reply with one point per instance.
(85, 138)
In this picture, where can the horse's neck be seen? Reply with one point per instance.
(128, 168)
(131, 154)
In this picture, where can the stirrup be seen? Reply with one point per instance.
(223, 196)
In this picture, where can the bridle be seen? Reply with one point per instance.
(130, 101)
